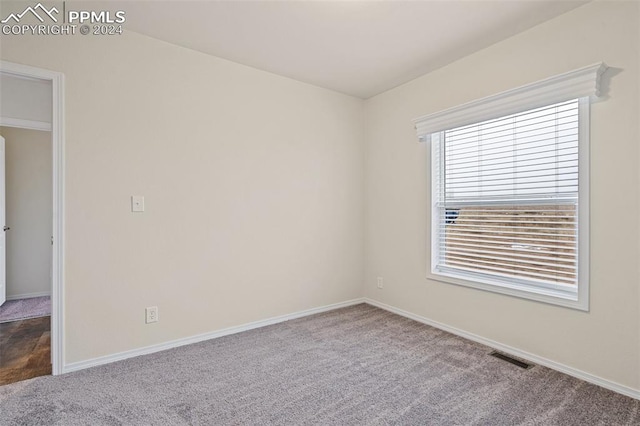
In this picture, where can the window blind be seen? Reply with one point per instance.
(507, 195)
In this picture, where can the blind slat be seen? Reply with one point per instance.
(534, 270)
(500, 272)
(515, 257)
(508, 155)
(529, 173)
(519, 249)
(533, 161)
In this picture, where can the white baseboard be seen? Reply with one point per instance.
(28, 295)
(616, 387)
(587, 377)
(75, 366)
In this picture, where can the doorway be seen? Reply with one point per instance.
(13, 115)
(26, 183)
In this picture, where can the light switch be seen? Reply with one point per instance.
(137, 203)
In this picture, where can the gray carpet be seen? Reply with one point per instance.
(34, 307)
(354, 366)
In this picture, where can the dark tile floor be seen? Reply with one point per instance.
(25, 349)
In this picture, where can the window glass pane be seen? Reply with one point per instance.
(518, 156)
(506, 198)
(530, 242)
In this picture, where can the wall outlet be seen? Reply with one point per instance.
(380, 282)
(151, 314)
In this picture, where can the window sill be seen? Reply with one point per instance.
(543, 295)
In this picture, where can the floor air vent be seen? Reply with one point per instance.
(511, 360)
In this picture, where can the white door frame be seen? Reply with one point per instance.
(3, 223)
(57, 136)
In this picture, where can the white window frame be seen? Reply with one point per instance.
(582, 84)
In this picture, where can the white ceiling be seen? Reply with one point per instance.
(360, 48)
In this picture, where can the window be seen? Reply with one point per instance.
(510, 190)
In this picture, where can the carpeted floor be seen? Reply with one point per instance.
(34, 307)
(354, 366)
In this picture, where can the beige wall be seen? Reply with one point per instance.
(25, 99)
(29, 211)
(253, 186)
(603, 342)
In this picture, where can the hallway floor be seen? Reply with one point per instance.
(25, 349)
